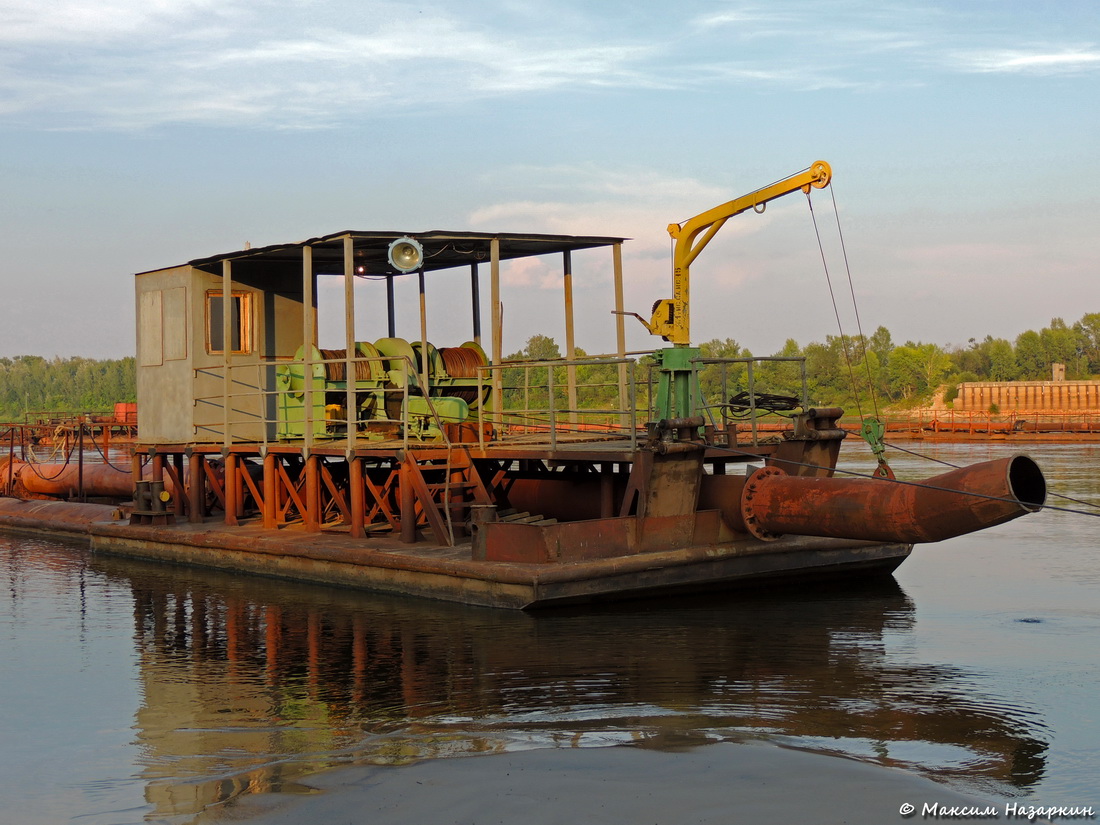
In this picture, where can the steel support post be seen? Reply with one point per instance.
(497, 354)
(271, 491)
(80, 460)
(349, 336)
(232, 491)
(11, 461)
(475, 301)
(391, 309)
(196, 486)
(407, 498)
(356, 497)
(620, 329)
(312, 516)
(178, 495)
(309, 335)
(227, 346)
(570, 341)
(425, 360)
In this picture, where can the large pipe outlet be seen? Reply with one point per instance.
(774, 503)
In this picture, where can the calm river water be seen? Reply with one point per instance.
(138, 693)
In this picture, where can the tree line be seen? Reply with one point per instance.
(843, 370)
(31, 383)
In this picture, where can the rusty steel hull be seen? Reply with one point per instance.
(450, 574)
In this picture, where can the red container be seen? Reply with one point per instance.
(126, 412)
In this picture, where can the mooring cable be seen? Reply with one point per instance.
(959, 466)
(106, 459)
(33, 465)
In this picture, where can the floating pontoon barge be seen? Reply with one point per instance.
(440, 469)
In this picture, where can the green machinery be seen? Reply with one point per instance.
(388, 387)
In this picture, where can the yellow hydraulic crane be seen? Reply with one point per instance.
(676, 393)
(671, 316)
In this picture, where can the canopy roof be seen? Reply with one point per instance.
(442, 250)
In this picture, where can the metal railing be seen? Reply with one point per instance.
(547, 417)
(529, 397)
(259, 383)
(726, 420)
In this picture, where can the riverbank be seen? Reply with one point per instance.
(720, 783)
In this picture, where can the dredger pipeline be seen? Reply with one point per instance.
(770, 503)
(20, 479)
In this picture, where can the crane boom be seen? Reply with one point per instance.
(671, 317)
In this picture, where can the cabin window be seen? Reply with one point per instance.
(240, 322)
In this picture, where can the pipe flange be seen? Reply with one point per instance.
(748, 514)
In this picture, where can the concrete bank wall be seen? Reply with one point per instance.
(1029, 396)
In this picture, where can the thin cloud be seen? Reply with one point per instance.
(752, 19)
(274, 80)
(138, 64)
(1013, 61)
(31, 22)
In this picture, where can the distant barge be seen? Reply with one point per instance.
(448, 472)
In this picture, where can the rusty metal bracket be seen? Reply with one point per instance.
(675, 435)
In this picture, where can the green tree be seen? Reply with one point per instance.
(716, 378)
(1063, 345)
(1031, 356)
(905, 371)
(1088, 331)
(30, 383)
(1003, 365)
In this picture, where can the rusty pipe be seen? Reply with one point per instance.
(957, 502)
(62, 481)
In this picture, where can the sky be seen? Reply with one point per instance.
(964, 139)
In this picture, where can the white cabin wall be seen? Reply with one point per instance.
(164, 350)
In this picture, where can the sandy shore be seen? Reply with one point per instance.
(722, 783)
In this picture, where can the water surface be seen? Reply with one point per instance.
(137, 692)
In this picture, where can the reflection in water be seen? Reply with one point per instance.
(247, 684)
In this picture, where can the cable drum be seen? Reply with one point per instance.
(462, 362)
(336, 366)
